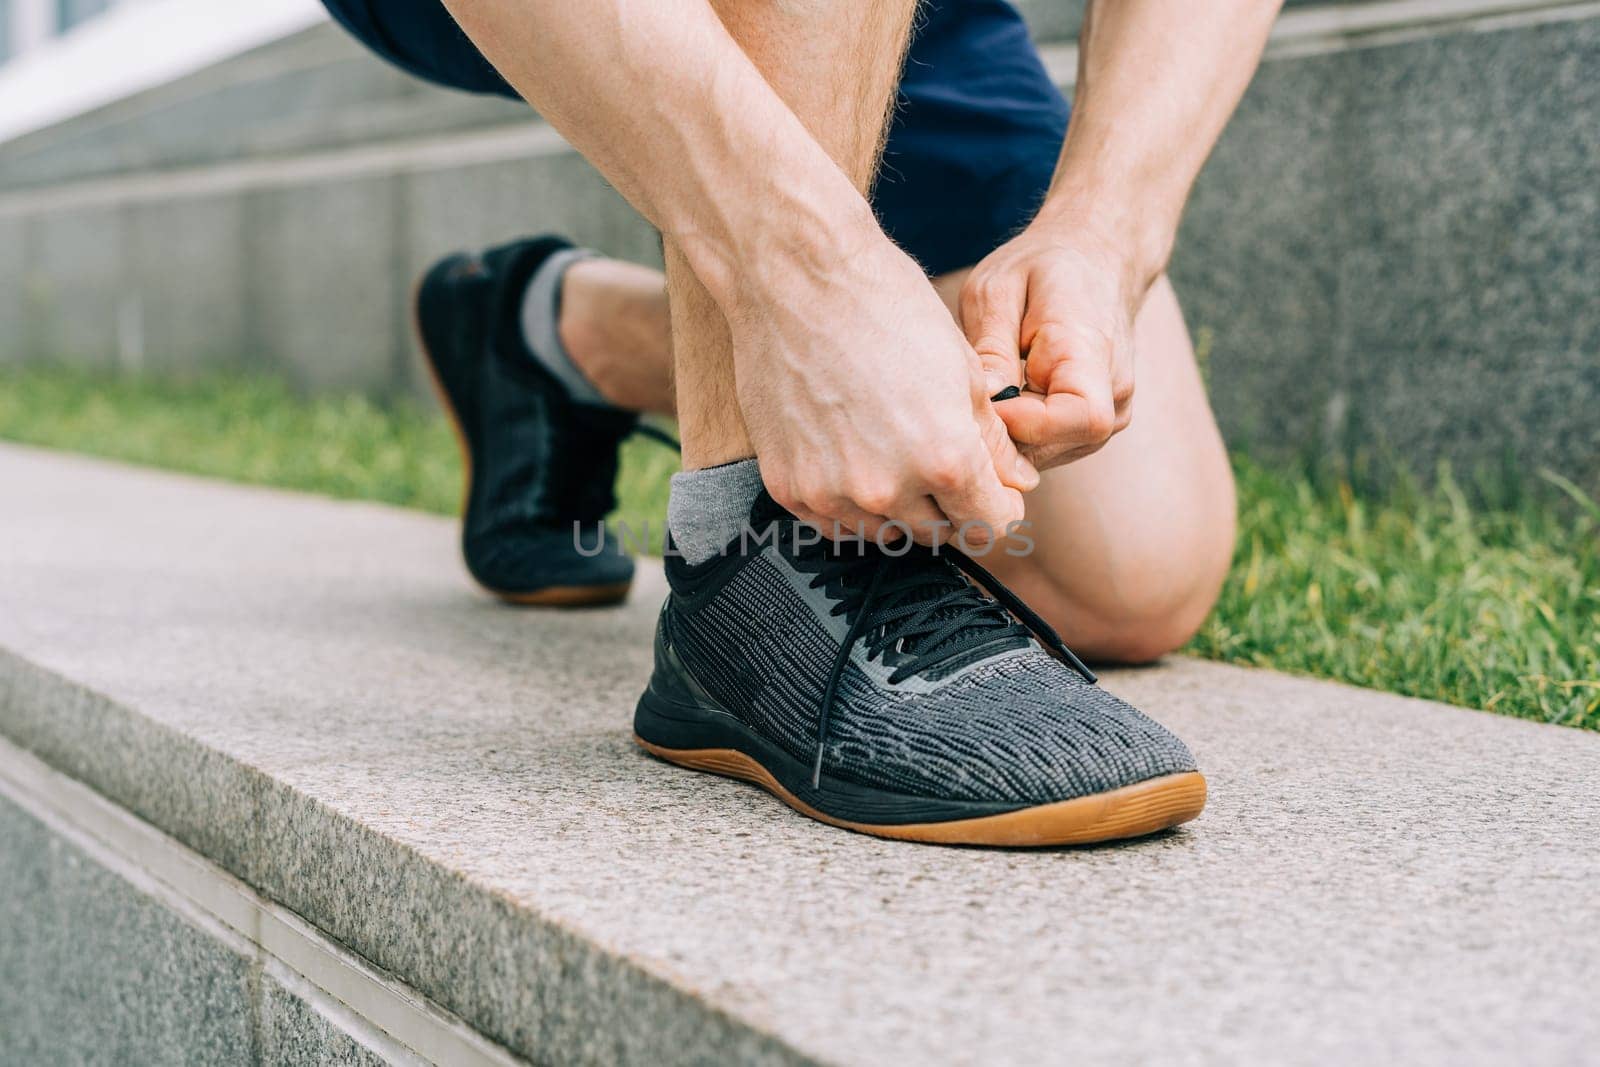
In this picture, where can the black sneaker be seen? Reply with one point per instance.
(536, 462)
(890, 695)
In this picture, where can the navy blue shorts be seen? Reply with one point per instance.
(971, 149)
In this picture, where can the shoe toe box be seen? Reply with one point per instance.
(1028, 731)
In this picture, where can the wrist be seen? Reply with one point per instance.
(1135, 238)
(767, 245)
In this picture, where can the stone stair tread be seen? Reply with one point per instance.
(310, 693)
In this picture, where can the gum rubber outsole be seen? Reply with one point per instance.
(1131, 811)
(555, 596)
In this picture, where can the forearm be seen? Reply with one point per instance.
(1156, 83)
(666, 105)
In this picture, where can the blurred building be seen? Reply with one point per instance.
(62, 58)
(24, 24)
(1392, 257)
(28, 24)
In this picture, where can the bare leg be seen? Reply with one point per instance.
(614, 324)
(840, 86)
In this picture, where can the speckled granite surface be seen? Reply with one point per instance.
(311, 694)
(96, 972)
(1395, 252)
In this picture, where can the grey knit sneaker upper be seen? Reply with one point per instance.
(939, 692)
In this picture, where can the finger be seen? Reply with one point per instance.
(992, 307)
(917, 518)
(1058, 420)
(1013, 469)
(842, 520)
(928, 524)
(973, 498)
(811, 518)
(1044, 457)
(1071, 402)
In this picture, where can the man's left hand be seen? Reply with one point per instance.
(1052, 310)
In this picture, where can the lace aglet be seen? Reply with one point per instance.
(816, 770)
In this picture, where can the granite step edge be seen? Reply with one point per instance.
(253, 829)
(382, 1018)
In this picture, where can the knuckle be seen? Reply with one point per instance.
(1100, 423)
(782, 491)
(875, 497)
(1007, 509)
(943, 470)
(828, 503)
(808, 494)
(988, 292)
(990, 346)
(1050, 334)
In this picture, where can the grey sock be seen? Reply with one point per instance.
(541, 310)
(709, 508)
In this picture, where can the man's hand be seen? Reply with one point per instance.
(1156, 81)
(865, 405)
(1061, 297)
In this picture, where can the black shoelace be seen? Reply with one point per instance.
(926, 610)
(657, 434)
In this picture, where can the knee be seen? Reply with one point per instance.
(1143, 605)
(1128, 632)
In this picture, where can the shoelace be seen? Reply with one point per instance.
(657, 434)
(913, 602)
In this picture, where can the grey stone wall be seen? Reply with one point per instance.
(1396, 252)
(94, 972)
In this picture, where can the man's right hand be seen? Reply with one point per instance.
(866, 405)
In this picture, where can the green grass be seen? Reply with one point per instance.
(1416, 592)
(258, 431)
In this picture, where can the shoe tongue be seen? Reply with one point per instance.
(941, 577)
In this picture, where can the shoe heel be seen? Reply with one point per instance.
(674, 711)
(668, 720)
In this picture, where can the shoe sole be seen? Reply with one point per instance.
(1131, 811)
(554, 596)
(678, 721)
(1128, 811)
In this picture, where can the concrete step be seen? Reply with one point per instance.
(123, 946)
(307, 697)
